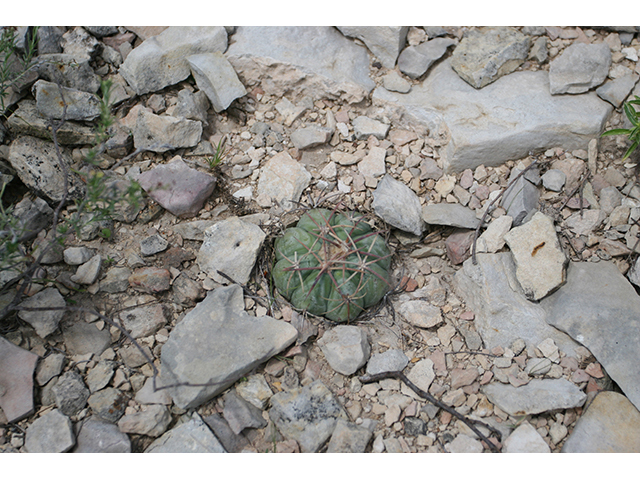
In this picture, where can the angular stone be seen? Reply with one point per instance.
(16, 381)
(146, 320)
(100, 375)
(525, 439)
(44, 322)
(488, 53)
(77, 255)
(88, 272)
(346, 348)
(49, 367)
(230, 246)
(241, 414)
(191, 105)
(520, 200)
(450, 214)
(420, 313)
(476, 119)
(161, 60)
(71, 393)
(616, 91)
(364, 127)
(36, 163)
(152, 420)
(218, 342)
(51, 433)
(82, 338)
(51, 102)
(152, 245)
(108, 404)
(33, 216)
(458, 245)
(193, 436)
(307, 415)
(146, 395)
(398, 205)
(384, 42)
(597, 307)
(538, 396)
(116, 280)
(414, 61)
(421, 375)
(502, 312)
(283, 179)
(585, 222)
(492, 239)
(539, 258)
(554, 180)
(315, 61)
(216, 77)
(310, 137)
(464, 444)
(231, 442)
(349, 437)
(395, 83)
(392, 360)
(68, 71)
(161, 133)
(579, 68)
(611, 424)
(98, 436)
(255, 390)
(150, 280)
(372, 166)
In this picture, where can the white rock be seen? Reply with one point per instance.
(216, 77)
(525, 439)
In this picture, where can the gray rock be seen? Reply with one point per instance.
(464, 444)
(421, 375)
(616, 91)
(49, 367)
(392, 360)
(79, 44)
(241, 414)
(539, 51)
(193, 436)
(349, 437)
(133, 357)
(152, 420)
(283, 179)
(88, 272)
(193, 230)
(486, 54)
(538, 396)
(100, 32)
(609, 425)
(78, 255)
(146, 320)
(414, 61)
(595, 307)
(525, 439)
(44, 322)
(586, 222)
(108, 404)
(49, 40)
(116, 280)
(398, 205)
(364, 127)
(68, 71)
(177, 187)
(230, 246)
(346, 348)
(71, 393)
(146, 395)
(47, 256)
(218, 342)
(579, 68)
(288, 110)
(310, 137)
(161, 133)
(51, 101)
(97, 436)
(520, 200)
(445, 103)
(16, 381)
(539, 258)
(395, 83)
(315, 61)
(51, 433)
(26, 120)
(161, 60)
(255, 390)
(82, 338)
(99, 376)
(492, 239)
(451, 214)
(216, 77)
(554, 180)
(307, 415)
(231, 442)
(191, 105)
(384, 42)
(420, 313)
(33, 216)
(153, 244)
(502, 312)
(186, 291)
(37, 165)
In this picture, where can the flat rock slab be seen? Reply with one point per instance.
(599, 308)
(80, 105)
(218, 342)
(540, 260)
(502, 312)
(283, 179)
(51, 433)
(193, 436)
(525, 439)
(161, 60)
(537, 396)
(177, 187)
(307, 415)
(216, 77)
(44, 322)
(16, 381)
(398, 205)
(611, 424)
(450, 214)
(98, 436)
(315, 61)
(504, 120)
(579, 67)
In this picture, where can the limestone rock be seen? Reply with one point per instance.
(216, 77)
(193, 436)
(349, 437)
(414, 61)
(540, 261)
(80, 105)
(16, 381)
(151, 420)
(420, 313)
(525, 439)
(492, 239)
(384, 42)
(218, 342)
(283, 179)
(520, 200)
(398, 205)
(145, 320)
(71, 393)
(392, 360)
(579, 68)
(44, 322)
(98, 436)
(310, 137)
(488, 53)
(364, 127)
(616, 91)
(450, 214)
(51, 433)
(346, 348)
(68, 71)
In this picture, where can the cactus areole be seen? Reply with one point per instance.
(332, 264)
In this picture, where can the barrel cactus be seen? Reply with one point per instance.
(332, 264)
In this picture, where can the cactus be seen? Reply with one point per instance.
(332, 264)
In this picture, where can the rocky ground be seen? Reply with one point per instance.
(422, 129)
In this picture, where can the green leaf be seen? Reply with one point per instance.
(631, 113)
(617, 131)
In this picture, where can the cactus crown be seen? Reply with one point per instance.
(332, 264)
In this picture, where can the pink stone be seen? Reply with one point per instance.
(439, 362)
(468, 315)
(595, 370)
(16, 381)
(150, 280)
(458, 246)
(580, 376)
(402, 137)
(463, 377)
(486, 377)
(466, 180)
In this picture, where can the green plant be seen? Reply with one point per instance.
(332, 264)
(13, 66)
(221, 152)
(633, 132)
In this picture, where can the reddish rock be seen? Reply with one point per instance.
(409, 284)
(462, 377)
(468, 315)
(16, 381)
(150, 280)
(439, 361)
(458, 246)
(595, 370)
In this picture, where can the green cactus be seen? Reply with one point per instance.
(332, 264)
